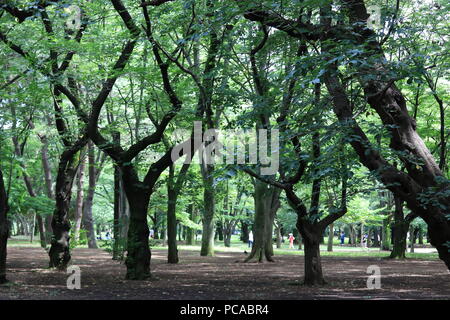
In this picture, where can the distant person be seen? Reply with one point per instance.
(291, 241)
(250, 239)
(107, 236)
(342, 238)
(365, 237)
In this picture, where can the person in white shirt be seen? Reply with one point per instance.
(250, 239)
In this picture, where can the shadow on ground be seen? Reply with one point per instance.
(221, 277)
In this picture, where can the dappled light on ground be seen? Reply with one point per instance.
(221, 277)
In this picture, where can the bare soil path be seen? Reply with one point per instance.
(220, 277)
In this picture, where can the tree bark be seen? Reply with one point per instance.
(190, 232)
(207, 248)
(330, 238)
(399, 231)
(172, 256)
(88, 220)
(79, 199)
(313, 263)
(59, 252)
(244, 232)
(48, 184)
(4, 229)
(266, 200)
(138, 250)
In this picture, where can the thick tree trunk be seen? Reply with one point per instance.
(313, 264)
(266, 205)
(399, 231)
(138, 250)
(4, 229)
(387, 100)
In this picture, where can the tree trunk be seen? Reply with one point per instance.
(48, 185)
(33, 228)
(244, 232)
(389, 103)
(190, 232)
(227, 238)
(300, 242)
(219, 231)
(330, 238)
(87, 218)
(4, 229)
(313, 264)
(172, 256)
(386, 235)
(79, 200)
(278, 230)
(266, 205)
(399, 231)
(117, 247)
(376, 241)
(369, 236)
(412, 235)
(59, 252)
(41, 226)
(362, 235)
(138, 250)
(207, 248)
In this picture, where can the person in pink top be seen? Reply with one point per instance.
(291, 241)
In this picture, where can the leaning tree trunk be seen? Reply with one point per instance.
(422, 179)
(4, 229)
(60, 249)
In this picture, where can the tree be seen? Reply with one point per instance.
(423, 187)
(4, 228)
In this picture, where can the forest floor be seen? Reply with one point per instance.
(221, 277)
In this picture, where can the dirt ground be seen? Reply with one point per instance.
(220, 277)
